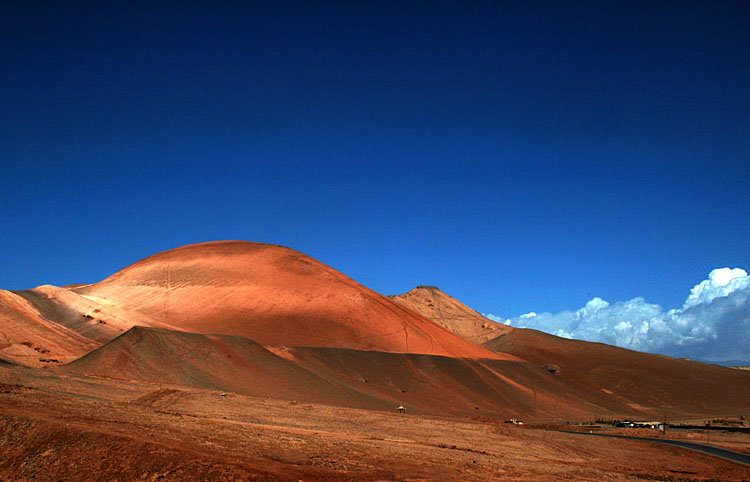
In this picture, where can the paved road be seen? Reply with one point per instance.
(706, 449)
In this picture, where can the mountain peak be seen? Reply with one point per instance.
(453, 315)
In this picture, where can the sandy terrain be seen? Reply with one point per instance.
(69, 428)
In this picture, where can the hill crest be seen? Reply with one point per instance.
(451, 314)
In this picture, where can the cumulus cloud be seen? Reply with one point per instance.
(712, 325)
(720, 282)
(499, 319)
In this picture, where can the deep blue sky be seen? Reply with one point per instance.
(520, 156)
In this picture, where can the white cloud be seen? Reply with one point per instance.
(720, 282)
(499, 319)
(712, 325)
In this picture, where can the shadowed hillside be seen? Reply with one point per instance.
(218, 362)
(334, 376)
(640, 379)
(498, 389)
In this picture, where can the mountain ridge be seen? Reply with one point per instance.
(268, 293)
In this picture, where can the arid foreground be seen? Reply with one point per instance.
(58, 427)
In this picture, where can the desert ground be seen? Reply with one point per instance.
(63, 427)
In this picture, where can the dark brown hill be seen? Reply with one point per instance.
(498, 389)
(335, 376)
(217, 362)
(641, 380)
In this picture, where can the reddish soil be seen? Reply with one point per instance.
(58, 427)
